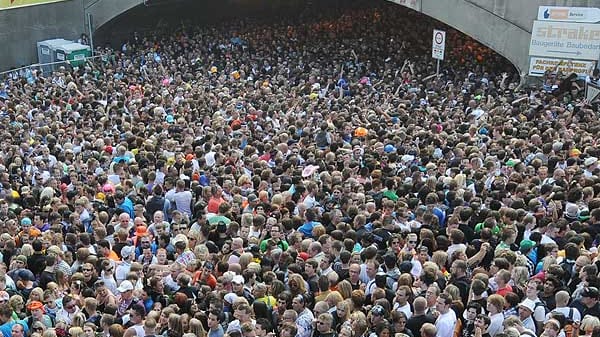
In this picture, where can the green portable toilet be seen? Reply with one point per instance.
(75, 53)
(47, 53)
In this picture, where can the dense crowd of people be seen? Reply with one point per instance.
(306, 176)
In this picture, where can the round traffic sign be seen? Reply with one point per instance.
(439, 38)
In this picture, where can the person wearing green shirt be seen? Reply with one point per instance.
(507, 239)
(275, 239)
(489, 223)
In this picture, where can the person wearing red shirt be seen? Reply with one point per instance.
(205, 276)
(215, 200)
(502, 278)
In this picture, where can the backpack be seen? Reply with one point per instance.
(568, 328)
(541, 303)
(391, 279)
(568, 267)
(153, 205)
(458, 328)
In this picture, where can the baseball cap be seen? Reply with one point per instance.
(378, 310)
(26, 275)
(304, 256)
(34, 305)
(590, 161)
(127, 251)
(21, 258)
(125, 286)
(239, 279)
(590, 292)
(230, 298)
(389, 148)
(526, 245)
(25, 221)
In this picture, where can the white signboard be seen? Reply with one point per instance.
(565, 40)
(539, 65)
(592, 92)
(571, 14)
(413, 4)
(438, 44)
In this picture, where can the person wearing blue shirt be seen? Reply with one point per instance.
(124, 203)
(214, 324)
(307, 227)
(8, 322)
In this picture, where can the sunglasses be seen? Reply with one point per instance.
(86, 269)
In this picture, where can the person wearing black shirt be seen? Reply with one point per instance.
(310, 269)
(184, 286)
(416, 321)
(37, 261)
(354, 276)
(588, 303)
(48, 274)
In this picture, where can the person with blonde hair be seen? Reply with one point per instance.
(76, 331)
(588, 324)
(345, 289)
(563, 299)
(495, 307)
(551, 328)
(196, 328)
(175, 326)
(428, 330)
(89, 330)
(297, 285)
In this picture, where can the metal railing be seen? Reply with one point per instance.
(40, 65)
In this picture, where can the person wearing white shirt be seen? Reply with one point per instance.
(401, 301)
(183, 198)
(127, 256)
(325, 266)
(68, 311)
(446, 321)
(495, 307)
(526, 309)
(562, 301)
(372, 267)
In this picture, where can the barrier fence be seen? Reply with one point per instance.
(18, 72)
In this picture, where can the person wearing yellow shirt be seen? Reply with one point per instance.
(259, 291)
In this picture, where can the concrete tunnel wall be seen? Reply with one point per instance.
(21, 28)
(503, 25)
